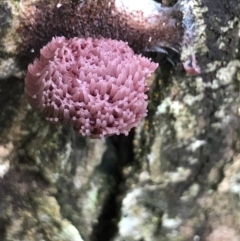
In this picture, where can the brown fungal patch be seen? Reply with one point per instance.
(43, 20)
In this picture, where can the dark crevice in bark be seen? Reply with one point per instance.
(3, 229)
(11, 90)
(107, 228)
(5, 21)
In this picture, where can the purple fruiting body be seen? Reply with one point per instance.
(96, 85)
(191, 66)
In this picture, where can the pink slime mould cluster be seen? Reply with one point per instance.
(95, 85)
(191, 67)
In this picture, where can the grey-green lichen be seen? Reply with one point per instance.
(5, 151)
(43, 223)
(136, 221)
(9, 39)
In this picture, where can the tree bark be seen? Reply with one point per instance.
(174, 178)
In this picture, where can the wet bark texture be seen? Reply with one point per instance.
(174, 178)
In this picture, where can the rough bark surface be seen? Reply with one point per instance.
(174, 178)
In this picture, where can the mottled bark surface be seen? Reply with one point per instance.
(174, 178)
